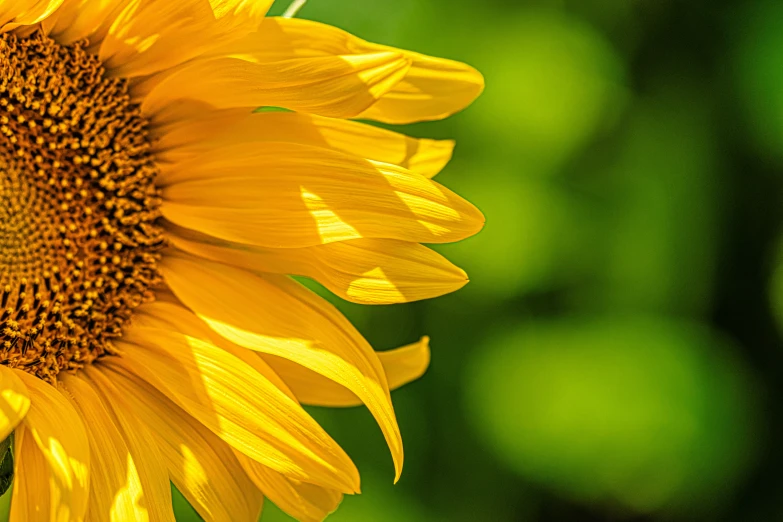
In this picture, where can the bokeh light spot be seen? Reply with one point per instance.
(645, 412)
(552, 81)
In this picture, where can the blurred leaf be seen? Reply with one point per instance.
(652, 414)
(272, 109)
(758, 53)
(183, 511)
(776, 286)
(552, 82)
(6, 463)
(533, 229)
(659, 197)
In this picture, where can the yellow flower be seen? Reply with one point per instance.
(149, 220)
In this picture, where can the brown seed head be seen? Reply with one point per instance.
(78, 242)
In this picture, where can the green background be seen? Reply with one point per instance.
(617, 355)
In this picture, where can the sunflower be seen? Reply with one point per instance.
(151, 218)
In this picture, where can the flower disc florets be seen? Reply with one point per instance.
(78, 240)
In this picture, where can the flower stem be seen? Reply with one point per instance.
(294, 8)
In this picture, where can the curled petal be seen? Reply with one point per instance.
(274, 315)
(401, 365)
(236, 403)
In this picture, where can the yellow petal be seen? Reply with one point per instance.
(14, 13)
(337, 86)
(14, 401)
(210, 130)
(238, 404)
(58, 431)
(146, 456)
(432, 88)
(272, 314)
(304, 502)
(365, 271)
(407, 363)
(401, 365)
(200, 464)
(172, 315)
(148, 36)
(283, 195)
(115, 487)
(79, 19)
(30, 499)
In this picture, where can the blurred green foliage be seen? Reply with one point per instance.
(617, 354)
(592, 419)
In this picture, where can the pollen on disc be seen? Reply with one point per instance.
(78, 242)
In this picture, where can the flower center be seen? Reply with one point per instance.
(78, 242)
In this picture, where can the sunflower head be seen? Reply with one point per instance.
(150, 220)
(79, 243)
